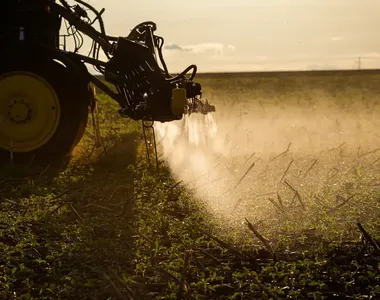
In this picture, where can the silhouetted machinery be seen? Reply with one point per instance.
(45, 91)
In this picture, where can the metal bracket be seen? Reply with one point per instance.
(149, 125)
(95, 120)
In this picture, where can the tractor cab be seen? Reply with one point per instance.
(29, 22)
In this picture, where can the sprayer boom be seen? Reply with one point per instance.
(145, 91)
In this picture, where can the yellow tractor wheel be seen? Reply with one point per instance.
(43, 110)
(29, 111)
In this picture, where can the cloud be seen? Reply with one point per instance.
(173, 47)
(206, 56)
(374, 55)
(206, 49)
(231, 47)
(203, 48)
(261, 58)
(337, 38)
(312, 67)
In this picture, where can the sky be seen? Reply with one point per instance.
(255, 35)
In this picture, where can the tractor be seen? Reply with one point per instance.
(46, 90)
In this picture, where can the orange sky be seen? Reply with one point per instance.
(248, 35)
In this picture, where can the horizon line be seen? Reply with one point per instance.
(284, 72)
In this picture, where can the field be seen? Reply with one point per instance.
(275, 196)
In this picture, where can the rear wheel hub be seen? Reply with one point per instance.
(19, 111)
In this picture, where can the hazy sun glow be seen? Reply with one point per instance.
(248, 35)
